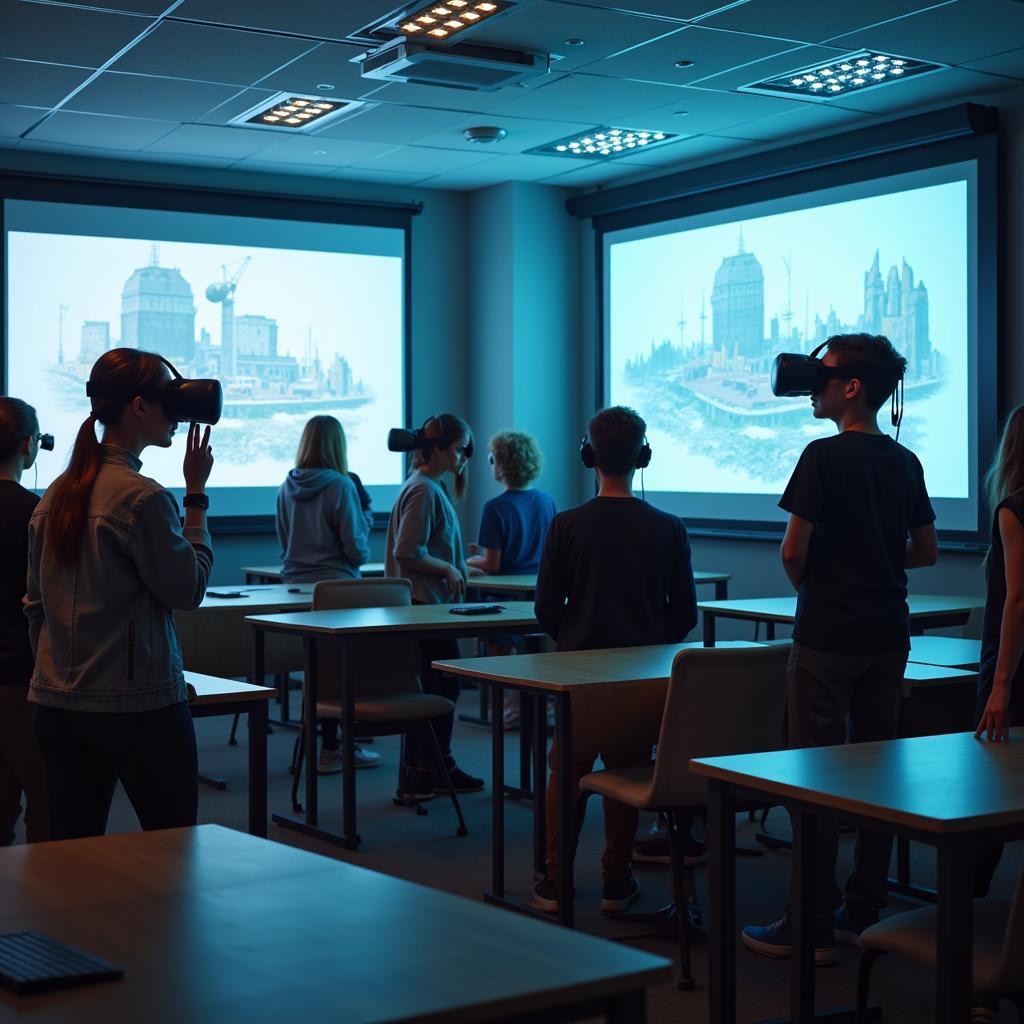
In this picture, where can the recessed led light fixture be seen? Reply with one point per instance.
(437, 23)
(603, 143)
(855, 72)
(288, 112)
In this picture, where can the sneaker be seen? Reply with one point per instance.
(847, 924)
(774, 940)
(545, 895)
(416, 785)
(656, 851)
(332, 761)
(617, 896)
(462, 782)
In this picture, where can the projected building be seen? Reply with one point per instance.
(898, 308)
(737, 308)
(158, 312)
(95, 340)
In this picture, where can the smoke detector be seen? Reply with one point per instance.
(485, 134)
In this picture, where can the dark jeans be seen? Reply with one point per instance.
(828, 691)
(419, 751)
(21, 771)
(85, 754)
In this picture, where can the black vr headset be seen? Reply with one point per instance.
(402, 440)
(191, 401)
(795, 374)
(45, 442)
(587, 457)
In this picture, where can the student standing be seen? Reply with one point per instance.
(424, 545)
(21, 772)
(853, 501)
(108, 563)
(615, 573)
(324, 533)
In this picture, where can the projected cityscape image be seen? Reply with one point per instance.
(714, 324)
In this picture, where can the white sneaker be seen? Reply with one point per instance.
(332, 761)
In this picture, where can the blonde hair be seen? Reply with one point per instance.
(517, 457)
(447, 428)
(323, 446)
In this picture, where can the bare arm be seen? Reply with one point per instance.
(795, 545)
(923, 547)
(487, 560)
(995, 722)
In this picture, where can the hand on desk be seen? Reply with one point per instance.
(995, 719)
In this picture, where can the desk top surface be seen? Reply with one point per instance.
(951, 651)
(215, 690)
(939, 784)
(188, 914)
(783, 609)
(272, 571)
(262, 597)
(557, 671)
(406, 619)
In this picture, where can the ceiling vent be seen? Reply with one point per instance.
(458, 66)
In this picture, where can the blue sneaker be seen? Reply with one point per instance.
(848, 922)
(775, 940)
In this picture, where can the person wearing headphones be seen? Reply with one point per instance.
(424, 545)
(21, 771)
(615, 572)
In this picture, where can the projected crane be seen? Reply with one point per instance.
(223, 291)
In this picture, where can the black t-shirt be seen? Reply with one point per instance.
(615, 572)
(995, 600)
(16, 506)
(863, 493)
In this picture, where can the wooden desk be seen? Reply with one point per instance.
(947, 791)
(419, 621)
(213, 925)
(927, 611)
(948, 651)
(526, 583)
(272, 573)
(556, 675)
(213, 696)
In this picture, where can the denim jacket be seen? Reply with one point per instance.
(102, 628)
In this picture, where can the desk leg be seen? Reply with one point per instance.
(769, 631)
(566, 810)
(721, 904)
(258, 769)
(540, 780)
(801, 978)
(309, 724)
(526, 737)
(722, 590)
(955, 935)
(498, 805)
(709, 628)
(350, 838)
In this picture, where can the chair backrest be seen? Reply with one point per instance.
(720, 701)
(1011, 960)
(384, 664)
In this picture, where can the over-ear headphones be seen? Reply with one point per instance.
(643, 459)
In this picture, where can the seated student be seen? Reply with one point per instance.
(21, 771)
(324, 533)
(512, 528)
(615, 572)
(852, 501)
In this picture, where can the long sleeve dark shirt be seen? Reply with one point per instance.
(616, 573)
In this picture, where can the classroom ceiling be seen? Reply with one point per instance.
(160, 80)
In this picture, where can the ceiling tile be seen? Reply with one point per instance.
(711, 50)
(100, 131)
(171, 99)
(150, 7)
(675, 10)
(426, 161)
(451, 99)
(952, 34)
(393, 124)
(523, 134)
(14, 120)
(312, 149)
(65, 35)
(804, 119)
(33, 84)
(1010, 64)
(326, 64)
(711, 110)
(210, 54)
(811, 23)
(769, 67)
(379, 177)
(210, 140)
(326, 19)
(689, 152)
(258, 166)
(239, 103)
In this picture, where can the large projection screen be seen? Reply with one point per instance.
(295, 317)
(695, 308)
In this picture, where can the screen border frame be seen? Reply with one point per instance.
(223, 202)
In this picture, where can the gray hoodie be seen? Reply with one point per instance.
(321, 526)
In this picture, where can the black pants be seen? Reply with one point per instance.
(21, 772)
(85, 754)
(826, 691)
(419, 751)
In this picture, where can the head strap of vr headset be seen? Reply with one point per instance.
(896, 404)
(104, 389)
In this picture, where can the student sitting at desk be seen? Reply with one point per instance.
(323, 525)
(852, 501)
(615, 573)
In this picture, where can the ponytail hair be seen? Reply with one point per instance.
(70, 492)
(447, 428)
(18, 421)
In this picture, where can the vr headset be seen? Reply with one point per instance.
(795, 375)
(402, 440)
(191, 401)
(45, 442)
(587, 457)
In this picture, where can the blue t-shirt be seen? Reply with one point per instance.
(516, 523)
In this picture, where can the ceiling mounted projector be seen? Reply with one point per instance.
(458, 66)
(485, 133)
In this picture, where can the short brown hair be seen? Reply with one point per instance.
(517, 457)
(18, 421)
(617, 435)
(323, 446)
(446, 428)
(870, 350)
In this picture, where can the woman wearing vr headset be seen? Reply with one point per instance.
(424, 544)
(21, 771)
(108, 563)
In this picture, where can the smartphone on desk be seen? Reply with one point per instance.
(476, 609)
(225, 593)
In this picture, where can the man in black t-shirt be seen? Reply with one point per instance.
(615, 572)
(859, 517)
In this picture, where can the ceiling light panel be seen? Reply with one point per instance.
(855, 72)
(605, 143)
(292, 113)
(440, 22)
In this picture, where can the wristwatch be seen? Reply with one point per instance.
(196, 501)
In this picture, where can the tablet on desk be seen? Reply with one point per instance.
(476, 609)
(225, 593)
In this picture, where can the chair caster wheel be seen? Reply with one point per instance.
(462, 831)
(686, 984)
